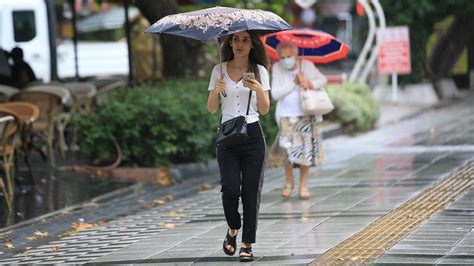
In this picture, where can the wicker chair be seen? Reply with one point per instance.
(82, 93)
(104, 92)
(28, 113)
(61, 120)
(6, 92)
(9, 129)
(50, 106)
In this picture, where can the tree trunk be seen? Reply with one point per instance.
(448, 49)
(450, 46)
(179, 54)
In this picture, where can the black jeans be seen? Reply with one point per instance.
(241, 168)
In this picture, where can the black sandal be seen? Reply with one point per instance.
(229, 240)
(246, 258)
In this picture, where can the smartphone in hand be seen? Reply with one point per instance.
(248, 75)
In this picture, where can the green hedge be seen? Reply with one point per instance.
(355, 107)
(169, 123)
(154, 125)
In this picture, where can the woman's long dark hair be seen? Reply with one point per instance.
(257, 55)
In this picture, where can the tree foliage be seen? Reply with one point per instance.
(421, 16)
(179, 54)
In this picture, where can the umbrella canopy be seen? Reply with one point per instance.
(212, 23)
(313, 45)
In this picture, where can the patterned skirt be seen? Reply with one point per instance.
(298, 142)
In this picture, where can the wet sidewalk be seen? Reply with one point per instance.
(365, 178)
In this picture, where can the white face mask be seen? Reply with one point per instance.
(288, 63)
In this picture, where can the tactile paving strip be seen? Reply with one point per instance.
(367, 245)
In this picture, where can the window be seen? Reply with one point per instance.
(24, 25)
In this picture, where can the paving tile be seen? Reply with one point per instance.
(456, 261)
(415, 252)
(405, 259)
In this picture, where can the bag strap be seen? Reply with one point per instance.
(248, 105)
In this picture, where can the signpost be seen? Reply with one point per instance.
(394, 54)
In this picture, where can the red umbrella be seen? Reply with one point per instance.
(313, 45)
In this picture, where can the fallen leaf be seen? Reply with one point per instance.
(159, 202)
(169, 225)
(205, 187)
(10, 246)
(28, 248)
(65, 212)
(41, 234)
(76, 227)
(172, 213)
(54, 249)
(31, 238)
(147, 206)
(304, 219)
(168, 197)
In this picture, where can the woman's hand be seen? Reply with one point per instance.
(306, 85)
(253, 84)
(263, 98)
(219, 87)
(299, 78)
(213, 99)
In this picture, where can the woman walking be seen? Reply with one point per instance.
(241, 166)
(298, 143)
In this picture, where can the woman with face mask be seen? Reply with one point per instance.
(298, 143)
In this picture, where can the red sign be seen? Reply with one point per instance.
(394, 50)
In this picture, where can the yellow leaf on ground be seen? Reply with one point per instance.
(76, 227)
(168, 197)
(28, 248)
(10, 246)
(31, 238)
(169, 225)
(41, 234)
(159, 202)
(172, 213)
(205, 187)
(82, 226)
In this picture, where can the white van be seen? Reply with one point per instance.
(24, 24)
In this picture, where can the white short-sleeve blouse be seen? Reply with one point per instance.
(235, 103)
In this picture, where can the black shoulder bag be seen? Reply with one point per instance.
(234, 131)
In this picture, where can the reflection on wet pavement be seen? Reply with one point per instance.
(458, 131)
(55, 190)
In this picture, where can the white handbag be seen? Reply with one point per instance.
(316, 102)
